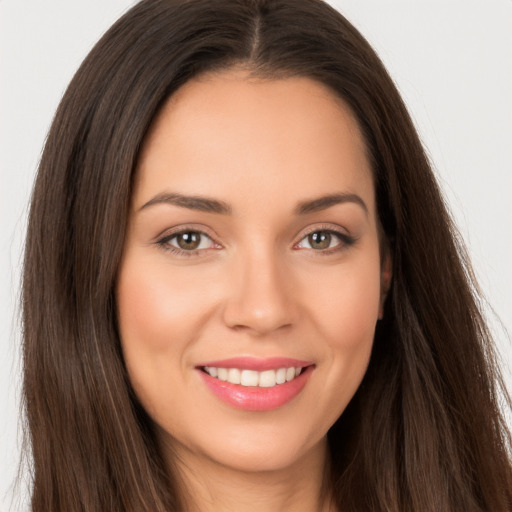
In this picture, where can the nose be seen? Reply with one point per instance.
(260, 295)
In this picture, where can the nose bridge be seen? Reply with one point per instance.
(260, 292)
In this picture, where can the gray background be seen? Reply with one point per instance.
(452, 61)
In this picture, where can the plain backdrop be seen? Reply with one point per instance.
(451, 60)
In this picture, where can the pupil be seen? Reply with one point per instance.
(189, 240)
(320, 240)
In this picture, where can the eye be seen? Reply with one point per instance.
(324, 240)
(187, 241)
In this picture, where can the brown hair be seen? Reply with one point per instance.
(424, 431)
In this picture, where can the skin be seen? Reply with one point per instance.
(256, 286)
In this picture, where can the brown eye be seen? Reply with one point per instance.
(188, 241)
(325, 241)
(320, 240)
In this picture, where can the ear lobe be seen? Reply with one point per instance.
(386, 275)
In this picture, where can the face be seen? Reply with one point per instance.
(251, 281)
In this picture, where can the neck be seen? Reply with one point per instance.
(210, 487)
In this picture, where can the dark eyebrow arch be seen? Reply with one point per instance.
(324, 202)
(203, 204)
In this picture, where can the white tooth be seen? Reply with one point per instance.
(281, 376)
(222, 374)
(212, 370)
(249, 378)
(290, 374)
(234, 376)
(297, 371)
(267, 379)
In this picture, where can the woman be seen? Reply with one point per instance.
(234, 297)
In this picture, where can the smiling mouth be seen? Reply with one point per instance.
(256, 384)
(253, 378)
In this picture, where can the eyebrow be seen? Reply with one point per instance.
(206, 204)
(324, 202)
(203, 204)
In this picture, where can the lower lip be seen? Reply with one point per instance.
(254, 398)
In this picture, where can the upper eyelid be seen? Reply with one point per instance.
(171, 232)
(342, 237)
(170, 236)
(331, 228)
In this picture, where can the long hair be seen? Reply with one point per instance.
(423, 432)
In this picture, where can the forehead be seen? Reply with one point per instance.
(229, 135)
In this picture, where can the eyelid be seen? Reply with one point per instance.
(342, 234)
(333, 228)
(184, 228)
(167, 235)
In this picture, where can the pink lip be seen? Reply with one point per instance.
(251, 398)
(257, 364)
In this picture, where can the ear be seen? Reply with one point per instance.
(386, 274)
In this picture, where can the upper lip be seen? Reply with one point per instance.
(256, 363)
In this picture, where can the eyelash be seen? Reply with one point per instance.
(164, 244)
(345, 241)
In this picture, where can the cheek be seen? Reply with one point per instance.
(160, 314)
(345, 316)
(347, 308)
(159, 317)
(156, 307)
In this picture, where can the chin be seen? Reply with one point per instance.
(256, 449)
